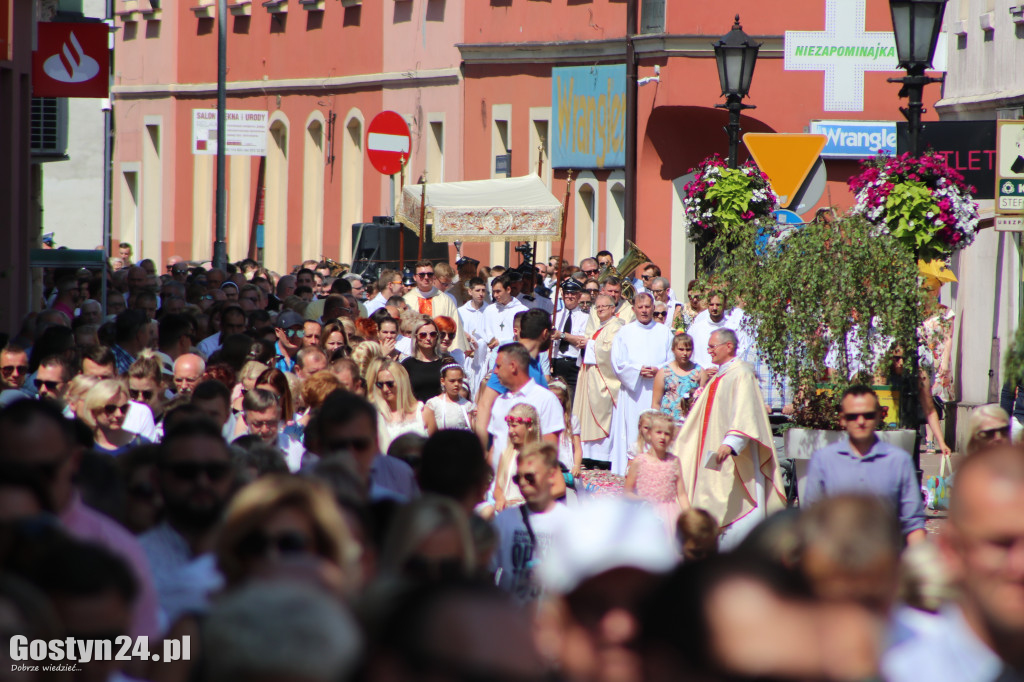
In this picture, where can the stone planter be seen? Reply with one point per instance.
(801, 443)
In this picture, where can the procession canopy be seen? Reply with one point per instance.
(499, 210)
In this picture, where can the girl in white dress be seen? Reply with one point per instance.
(450, 410)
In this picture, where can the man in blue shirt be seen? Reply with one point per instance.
(861, 463)
(535, 335)
(289, 331)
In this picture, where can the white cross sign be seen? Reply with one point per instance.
(844, 51)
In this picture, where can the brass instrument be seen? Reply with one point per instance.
(337, 269)
(633, 259)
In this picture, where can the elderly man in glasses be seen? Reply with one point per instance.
(862, 463)
(726, 446)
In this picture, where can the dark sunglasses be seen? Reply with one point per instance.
(447, 335)
(424, 274)
(852, 416)
(427, 335)
(590, 272)
(661, 314)
(292, 333)
(143, 396)
(382, 384)
(8, 370)
(339, 444)
(50, 385)
(530, 478)
(992, 434)
(110, 410)
(258, 543)
(592, 290)
(647, 277)
(190, 471)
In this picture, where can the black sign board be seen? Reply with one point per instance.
(969, 148)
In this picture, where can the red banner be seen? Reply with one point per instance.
(72, 60)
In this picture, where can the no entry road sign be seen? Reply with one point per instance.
(388, 142)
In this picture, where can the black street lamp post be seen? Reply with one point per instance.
(736, 55)
(916, 24)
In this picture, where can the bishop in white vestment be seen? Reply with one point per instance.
(639, 350)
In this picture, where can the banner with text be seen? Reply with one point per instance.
(856, 139)
(245, 133)
(969, 147)
(588, 106)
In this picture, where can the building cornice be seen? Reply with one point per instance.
(988, 101)
(397, 79)
(647, 46)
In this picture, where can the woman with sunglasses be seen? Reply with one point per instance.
(398, 411)
(425, 363)
(105, 407)
(278, 521)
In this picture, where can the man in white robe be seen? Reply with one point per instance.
(717, 316)
(499, 317)
(639, 350)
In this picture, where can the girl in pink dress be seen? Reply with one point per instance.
(655, 475)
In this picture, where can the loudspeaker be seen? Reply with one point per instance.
(376, 245)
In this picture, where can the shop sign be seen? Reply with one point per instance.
(1010, 167)
(855, 139)
(844, 51)
(589, 116)
(245, 133)
(969, 148)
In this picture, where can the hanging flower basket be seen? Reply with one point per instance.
(723, 200)
(922, 202)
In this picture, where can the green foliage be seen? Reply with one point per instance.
(731, 197)
(1015, 358)
(803, 296)
(914, 208)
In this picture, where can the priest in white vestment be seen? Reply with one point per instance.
(639, 350)
(726, 450)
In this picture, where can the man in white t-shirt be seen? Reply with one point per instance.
(513, 370)
(525, 532)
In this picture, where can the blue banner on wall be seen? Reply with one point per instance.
(856, 139)
(588, 110)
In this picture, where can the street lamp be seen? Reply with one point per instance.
(736, 55)
(916, 24)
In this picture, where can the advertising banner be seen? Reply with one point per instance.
(856, 139)
(968, 146)
(246, 132)
(588, 111)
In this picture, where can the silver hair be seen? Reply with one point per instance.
(281, 628)
(660, 280)
(643, 294)
(726, 335)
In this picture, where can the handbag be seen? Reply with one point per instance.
(936, 489)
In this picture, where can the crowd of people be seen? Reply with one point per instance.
(543, 472)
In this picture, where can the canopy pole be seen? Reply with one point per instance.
(423, 214)
(561, 256)
(540, 168)
(401, 229)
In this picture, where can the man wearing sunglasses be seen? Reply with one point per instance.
(426, 299)
(13, 367)
(527, 531)
(52, 379)
(194, 475)
(863, 463)
(36, 434)
(290, 330)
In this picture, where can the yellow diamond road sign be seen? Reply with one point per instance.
(786, 158)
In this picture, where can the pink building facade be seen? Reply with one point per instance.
(322, 70)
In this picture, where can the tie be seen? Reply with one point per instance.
(563, 345)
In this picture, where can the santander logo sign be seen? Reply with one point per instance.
(71, 60)
(71, 64)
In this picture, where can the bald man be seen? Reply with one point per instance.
(188, 368)
(979, 636)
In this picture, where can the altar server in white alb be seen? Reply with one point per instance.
(639, 350)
